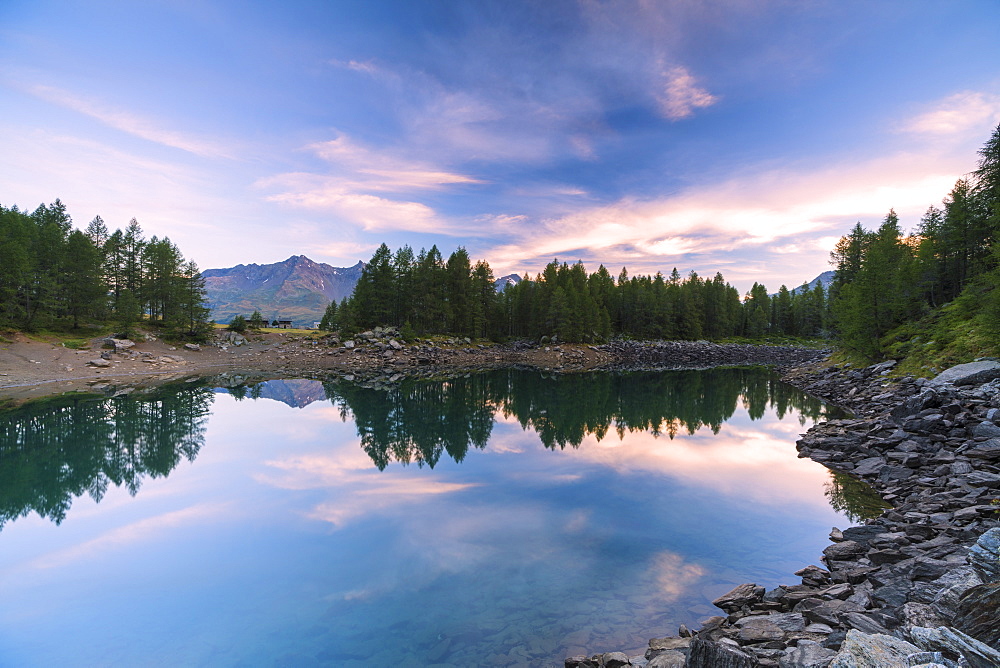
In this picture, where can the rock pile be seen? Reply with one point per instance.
(917, 586)
(667, 354)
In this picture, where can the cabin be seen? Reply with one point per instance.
(284, 324)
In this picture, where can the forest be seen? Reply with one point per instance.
(889, 288)
(893, 290)
(55, 277)
(424, 294)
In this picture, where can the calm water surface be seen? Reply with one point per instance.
(502, 518)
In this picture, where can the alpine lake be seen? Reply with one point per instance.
(496, 518)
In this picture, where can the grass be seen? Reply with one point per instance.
(942, 338)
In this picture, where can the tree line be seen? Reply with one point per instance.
(885, 279)
(422, 293)
(54, 276)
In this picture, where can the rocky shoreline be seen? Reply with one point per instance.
(917, 586)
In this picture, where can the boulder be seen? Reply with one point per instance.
(977, 654)
(745, 594)
(861, 650)
(973, 373)
(985, 430)
(759, 629)
(987, 450)
(192, 346)
(100, 363)
(844, 550)
(668, 659)
(614, 660)
(984, 556)
(979, 614)
(950, 587)
(118, 345)
(919, 614)
(931, 660)
(868, 467)
(659, 644)
(807, 654)
(710, 654)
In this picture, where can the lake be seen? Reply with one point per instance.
(496, 518)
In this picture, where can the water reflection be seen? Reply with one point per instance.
(301, 537)
(418, 420)
(56, 450)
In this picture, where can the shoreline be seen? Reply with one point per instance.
(32, 369)
(917, 586)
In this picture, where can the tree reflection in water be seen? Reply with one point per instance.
(56, 450)
(417, 420)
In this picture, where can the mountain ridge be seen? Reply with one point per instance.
(296, 289)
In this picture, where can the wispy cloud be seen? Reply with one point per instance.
(775, 207)
(961, 112)
(359, 185)
(681, 94)
(129, 122)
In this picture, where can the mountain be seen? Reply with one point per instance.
(297, 289)
(826, 278)
(503, 282)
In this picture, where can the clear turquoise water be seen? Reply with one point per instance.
(261, 532)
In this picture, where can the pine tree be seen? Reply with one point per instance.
(329, 321)
(84, 288)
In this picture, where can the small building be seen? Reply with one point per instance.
(284, 324)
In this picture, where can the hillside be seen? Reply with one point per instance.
(297, 289)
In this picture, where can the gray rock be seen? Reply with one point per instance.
(759, 629)
(614, 660)
(710, 654)
(669, 643)
(844, 550)
(984, 556)
(807, 654)
(919, 614)
(986, 429)
(870, 466)
(349, 344)
(931, 660)
(789, 622)
(943, 639)
(667, 659)
(987, 450)
(983, 479)
(100, 363)
(863, 623)
(973, 373)
(861, 650)
(979, 614)
(951, 586)
(192, 346)
(744, 594)
(395, 345)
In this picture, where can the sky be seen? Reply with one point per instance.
(736, 136)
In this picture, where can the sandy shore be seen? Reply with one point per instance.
(31, 368)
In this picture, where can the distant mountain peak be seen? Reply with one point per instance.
(296, 289)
